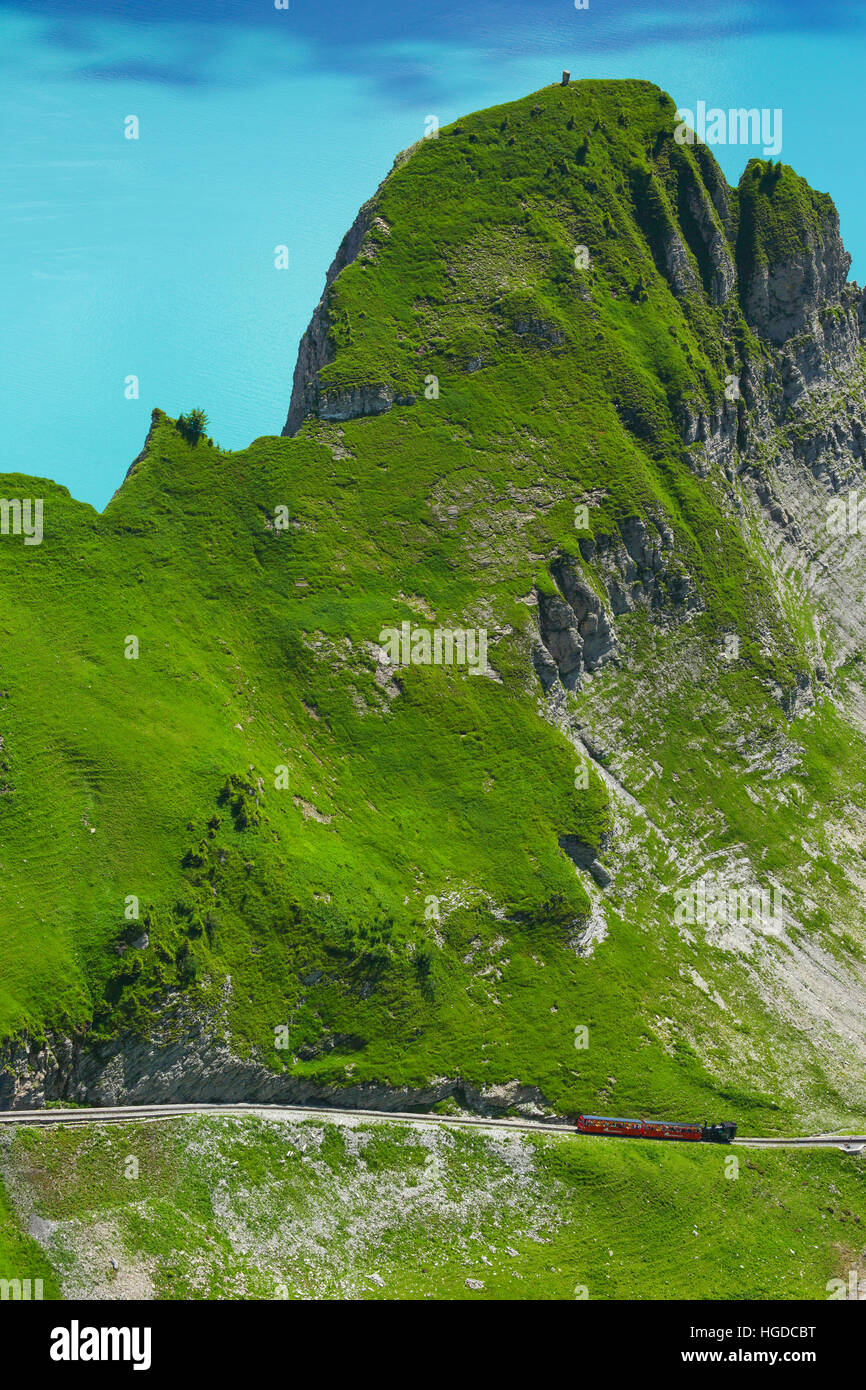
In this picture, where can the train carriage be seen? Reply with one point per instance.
(616, 1127)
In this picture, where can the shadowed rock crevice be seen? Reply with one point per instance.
(584, 857)
(576, 632)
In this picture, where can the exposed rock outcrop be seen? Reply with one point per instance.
(316, 349)
(791, 261)
(188, 1061)
(576, 631)
(638, 569)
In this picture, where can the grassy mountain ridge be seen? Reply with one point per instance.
(414, 877)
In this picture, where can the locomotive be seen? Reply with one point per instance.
(656, 1129)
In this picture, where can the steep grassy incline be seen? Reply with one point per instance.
(377, 878)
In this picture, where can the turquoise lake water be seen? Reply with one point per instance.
(261, 127)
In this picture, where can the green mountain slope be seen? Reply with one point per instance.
(566, 388)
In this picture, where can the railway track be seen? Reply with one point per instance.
(122, 1114)
(126, 1113)
(849, 1143)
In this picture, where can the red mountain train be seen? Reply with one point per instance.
(656, 1129)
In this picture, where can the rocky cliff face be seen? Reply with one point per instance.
(188, 1059)
(797, 433)
(316, 349)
